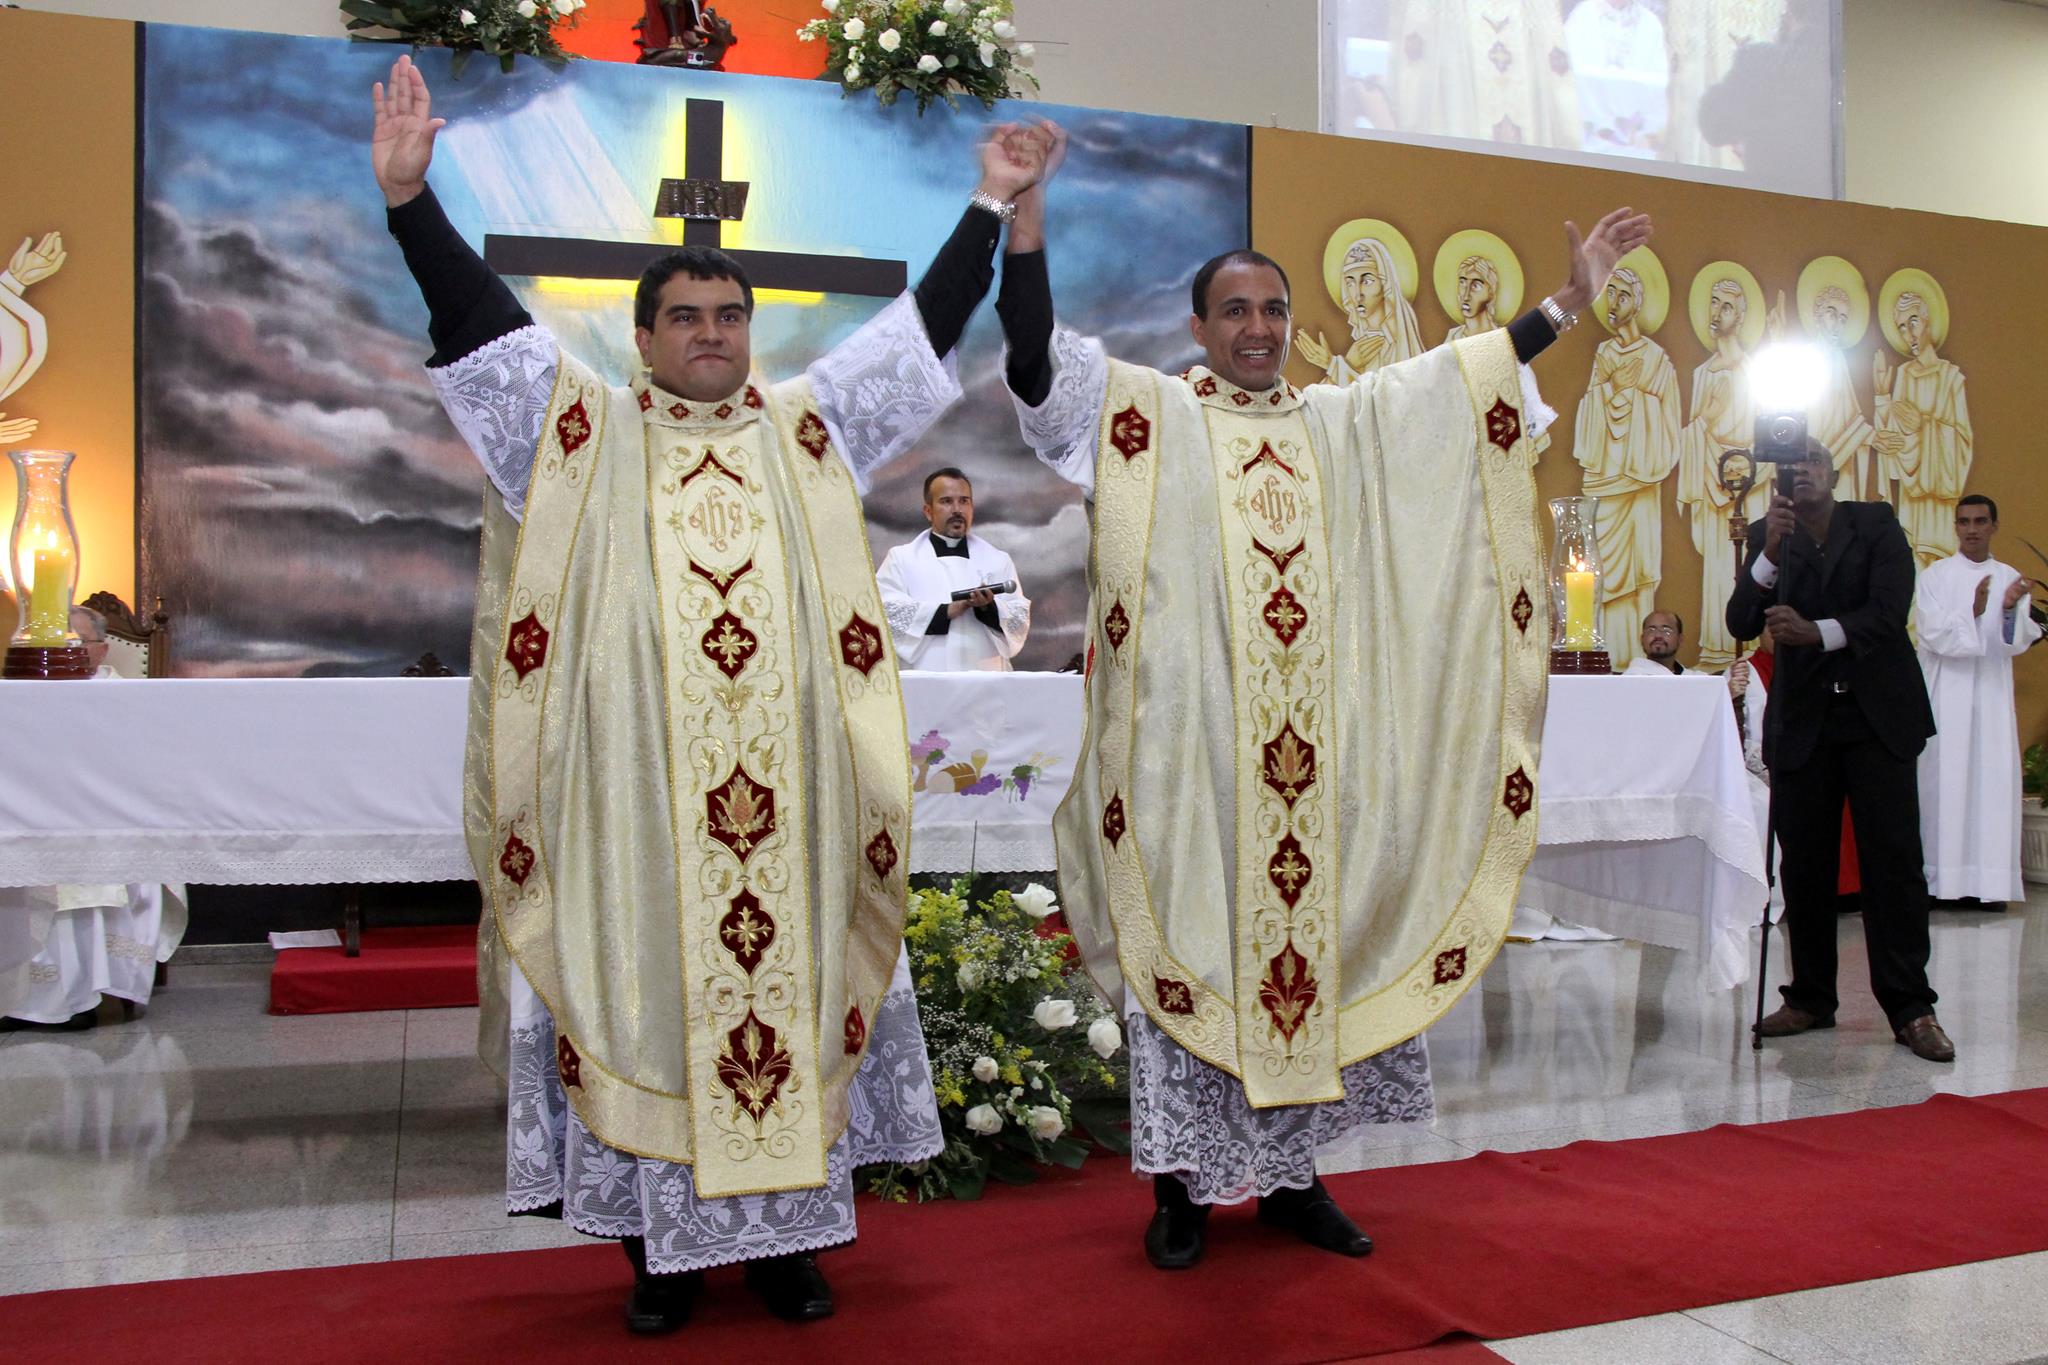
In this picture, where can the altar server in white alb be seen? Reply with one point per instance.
(688, 788)
(921, 580)
(1970, 616)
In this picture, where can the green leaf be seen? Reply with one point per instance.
(969, 1182)
(382, 15)
(1106, 1119)
(1067, 1152)
(1011, 1169)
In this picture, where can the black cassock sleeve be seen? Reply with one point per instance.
(468, 306)
(958, 278)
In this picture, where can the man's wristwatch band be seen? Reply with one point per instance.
(1003, 209)
(1553, 312)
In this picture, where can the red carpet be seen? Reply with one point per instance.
(1496, 1246)
(400, 969)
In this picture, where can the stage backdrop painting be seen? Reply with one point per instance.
(1727, 270)
(307, 508)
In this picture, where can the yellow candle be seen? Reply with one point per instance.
(49, 590)
(1578, 609)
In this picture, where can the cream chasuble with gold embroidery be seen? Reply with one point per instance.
(1318, 643)
(685, 696)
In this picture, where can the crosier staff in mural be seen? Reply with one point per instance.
(1370, 271)
(1302, 599)
(24, 337)
(1924, 438)
(683, 698)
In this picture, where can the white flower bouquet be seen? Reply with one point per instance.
(1023, 1052)
(504, 29)
(930, 49)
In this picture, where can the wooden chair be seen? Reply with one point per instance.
(137, 648)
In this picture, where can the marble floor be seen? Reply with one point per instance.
(208, 1138)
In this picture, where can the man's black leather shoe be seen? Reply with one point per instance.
(1176, 1237)
(662, 1303)
(1314, 1217)
(792, 1287)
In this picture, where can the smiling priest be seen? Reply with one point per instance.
(688, 785)
(1318, 665)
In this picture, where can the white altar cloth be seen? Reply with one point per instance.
(232, 781)
(1648, 830)
(991, 757)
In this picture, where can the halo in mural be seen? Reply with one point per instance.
(1656, 304)
(1834, 284)
(1460, 247)
(1912, 280)
(1367, 229)
(1752, 293)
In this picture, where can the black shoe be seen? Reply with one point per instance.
(792, 1287)
(662, 1303)
(1314, 1217)
(1174, 1239)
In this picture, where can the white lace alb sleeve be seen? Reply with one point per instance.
(1062, 429)
(497, 396)
(882, 388)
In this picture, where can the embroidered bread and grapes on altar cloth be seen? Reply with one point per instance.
(681, 644)
(1293, 837)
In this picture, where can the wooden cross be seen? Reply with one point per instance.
(704, 157)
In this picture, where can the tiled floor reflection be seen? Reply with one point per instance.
(208, 1137)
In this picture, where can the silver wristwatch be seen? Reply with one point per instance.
(1003, 209)
(1554, 313)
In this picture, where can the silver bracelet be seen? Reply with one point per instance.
(1003, 209)
(1553, 312)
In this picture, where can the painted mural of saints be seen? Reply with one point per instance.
(1834, 308)
(1626, 439)
(1369, 269)
(1924, 441)
(1727, 309)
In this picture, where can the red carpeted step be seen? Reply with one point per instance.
(433, 967)
(1499, 1245)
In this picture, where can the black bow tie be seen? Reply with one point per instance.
(942, 549)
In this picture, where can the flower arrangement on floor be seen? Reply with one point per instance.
(932, 49)
(504, 29)
(1022, 1049)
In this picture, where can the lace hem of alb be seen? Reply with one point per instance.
(1193, 1121)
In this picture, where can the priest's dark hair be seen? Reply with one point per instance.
(1244, 255)
(949, 472)
(699, 263)
(1977, 500)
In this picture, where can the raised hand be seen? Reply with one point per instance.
(2016, 590)
(402, 143)
(1983, 595)
(1314, 349)
(1594, 255)
(1011, 162)
(16, 429)
(33, 264)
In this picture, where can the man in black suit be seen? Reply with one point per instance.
(1831, 583)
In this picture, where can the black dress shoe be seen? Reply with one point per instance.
(792, 1287)
(662, 1303)
(658, 1303)
(1314, 1217)
(1175, 1238)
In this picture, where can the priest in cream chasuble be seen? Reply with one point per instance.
(687, 786)
(1319, 640)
